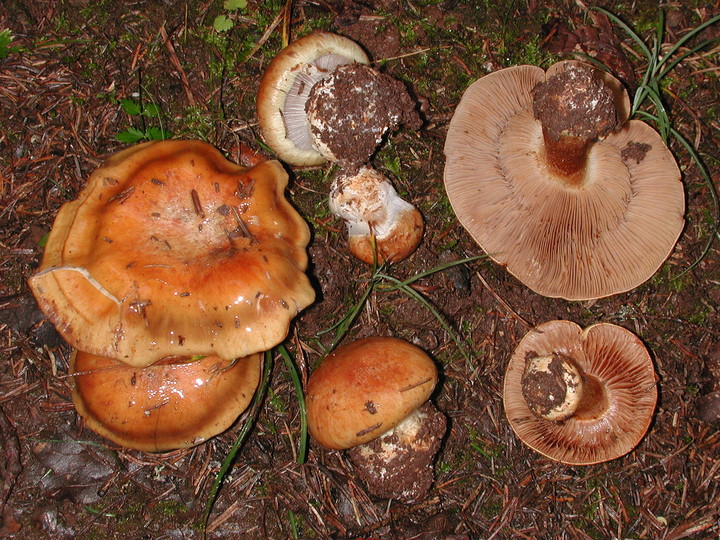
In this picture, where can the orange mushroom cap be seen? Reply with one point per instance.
(175, 403)
(364, 389)
(606, 234)
(617, 414)
(171, 250)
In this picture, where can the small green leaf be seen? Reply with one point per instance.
(5, 38)
(151, 110)
(130, 135)
(43, 241)
(232, 5)
(157, 134)
(222, 23)
(130, 107)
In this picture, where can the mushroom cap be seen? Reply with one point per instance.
(615, 357)
(370, 206)
(171, 250)
(175, 403)
(605, 236)
(366, 388)
(286, 85)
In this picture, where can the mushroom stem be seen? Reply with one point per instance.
(575, 107)
(566, 157)
(555, 389)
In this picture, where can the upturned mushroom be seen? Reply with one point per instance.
(174, 403)
(171, 250)
(380, 225)
(319, 100)
(371, 397)
(552, 181)
(580, 396)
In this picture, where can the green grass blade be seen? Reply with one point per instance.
(691, 34)
(295, 376)
(669, 67)
(412, 293)
(230, 457)
(637, 39)
(711, 188)
(426, 273)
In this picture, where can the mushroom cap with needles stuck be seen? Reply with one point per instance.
(171, 250)
(174, 403)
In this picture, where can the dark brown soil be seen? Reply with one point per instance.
(352, 109)
(67, 80)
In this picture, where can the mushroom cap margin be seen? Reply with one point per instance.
(169, 405)
(560, 241)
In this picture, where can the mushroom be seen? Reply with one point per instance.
(171, 250)
(549, 178)
(318, 101)
(174, 403)
(580, 396)
(372, 209)
(286, 85)
(371, 396)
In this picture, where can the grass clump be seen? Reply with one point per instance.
(648, 102)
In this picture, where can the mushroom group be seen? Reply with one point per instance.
(370, 397)
(319, 101)
(548, 176)
(580, 396)
(172, 252)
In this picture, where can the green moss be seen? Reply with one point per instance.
(170, 508)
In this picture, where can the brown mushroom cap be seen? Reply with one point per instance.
(175, 403)
(171, 250)
(286, 85)
(610, 354)
(370, 206)
(366, 388)
(605, 236)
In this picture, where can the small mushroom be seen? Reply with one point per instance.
(580, 396)
(549, 178)
(286, 85)
(174, 403)
(379, 223)
(171, 250)
(318, 101)
(371, 396)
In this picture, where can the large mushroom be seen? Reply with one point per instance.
(171, 250)
(371, 397)
(550, 179)
(580, 396)
(319, 100)
(381, 226)
(174, 403)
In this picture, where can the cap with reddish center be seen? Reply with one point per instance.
(171, 250)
